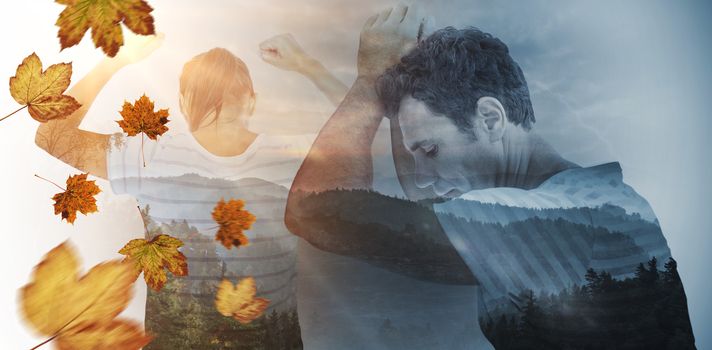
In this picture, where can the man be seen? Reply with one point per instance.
(507, 212)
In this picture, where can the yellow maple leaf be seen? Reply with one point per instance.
(42, 92)
(239, 301)
(232, 221)
(113, 335)
(80, 312)
(154, 257)
(78, 197)
(104, 18)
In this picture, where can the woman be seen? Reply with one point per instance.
(186, 173)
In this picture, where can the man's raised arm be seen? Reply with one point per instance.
(336, 177)
(341, 155)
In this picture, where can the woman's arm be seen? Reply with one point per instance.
(283, 51)
(63, 138)
(325, 81)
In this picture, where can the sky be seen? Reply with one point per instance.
(610, 81)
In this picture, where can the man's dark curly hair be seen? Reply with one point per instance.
(450, 70)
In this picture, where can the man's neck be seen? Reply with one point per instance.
(528, 160)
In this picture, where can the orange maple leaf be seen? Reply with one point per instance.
(80, 312)
(154, 257)
(104, 18)
(239, 301)
(42, 92)
(232, 220)
(78, 197)
(140, 118)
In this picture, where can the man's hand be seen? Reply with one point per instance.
(386, 37)
(340, 157)
(283, 51)
(138, 47)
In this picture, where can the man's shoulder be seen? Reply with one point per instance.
(607, 174)
(600, 185)
(579, 187)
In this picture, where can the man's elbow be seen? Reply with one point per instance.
(292, 223)
(295, 218)
(291, 219)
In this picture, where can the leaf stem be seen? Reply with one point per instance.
(145, 224)
(44, 342)
(143, 157)
(17, 110)
(52, 182)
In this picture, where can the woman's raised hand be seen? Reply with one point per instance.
(283, 51)
(138, 47)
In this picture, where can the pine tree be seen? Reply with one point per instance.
(531, 322)
(593, 281)
(670, 274)
(641, 272)
(653, 270)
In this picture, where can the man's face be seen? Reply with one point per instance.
(448, 160)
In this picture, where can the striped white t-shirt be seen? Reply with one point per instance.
(182, 182)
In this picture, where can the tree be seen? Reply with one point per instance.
(648, 311)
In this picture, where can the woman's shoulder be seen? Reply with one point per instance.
(287, 139)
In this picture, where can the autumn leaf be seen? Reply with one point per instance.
(139, 117)
(104, 18)
(79, 312)
(42, 92)
(232, 220)
(154, 257)
(77, 197)
(239, 301)
(114, 335)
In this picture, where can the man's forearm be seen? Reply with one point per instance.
(399, 235)
(341, 155)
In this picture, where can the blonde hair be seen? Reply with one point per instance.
(205, 81)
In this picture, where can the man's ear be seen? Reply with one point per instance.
(490, 119)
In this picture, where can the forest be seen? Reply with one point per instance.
(646, 311)
(181, 317)
(182, 321)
